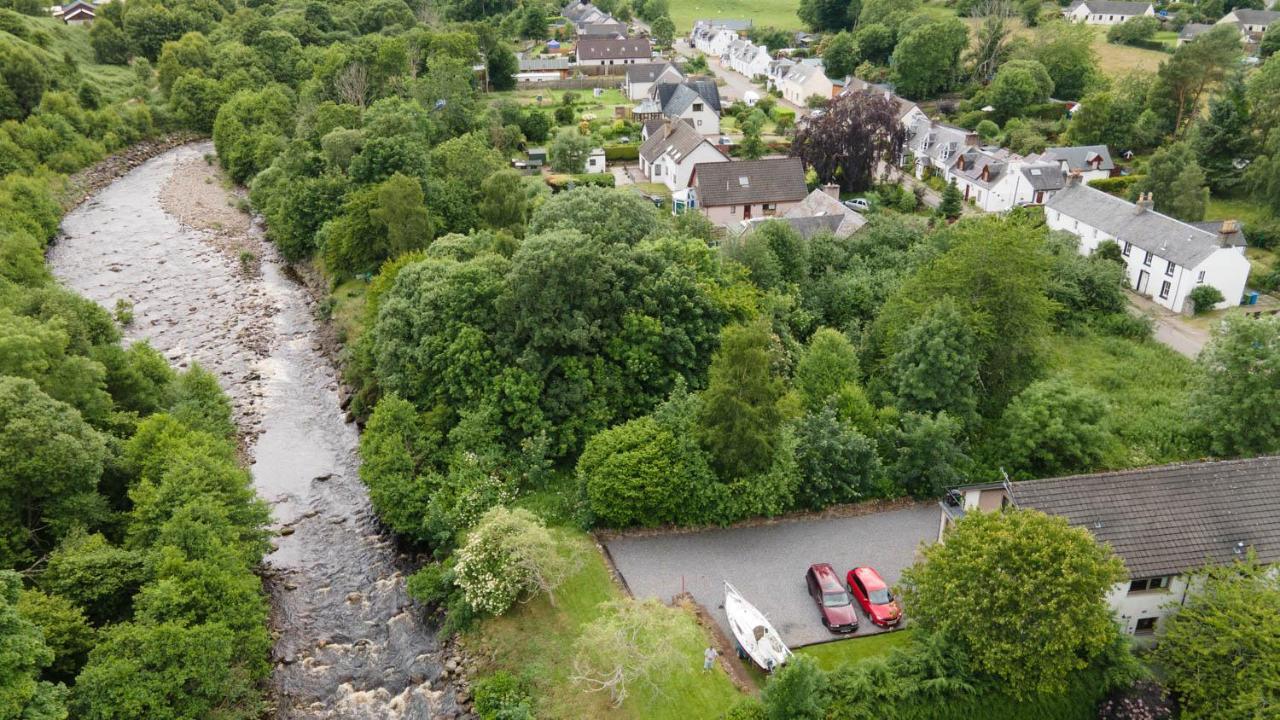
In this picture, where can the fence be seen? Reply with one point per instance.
(581, 83)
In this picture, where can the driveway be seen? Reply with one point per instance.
(767, 563)
(1171, 328)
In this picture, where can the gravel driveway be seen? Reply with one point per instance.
(767, 563)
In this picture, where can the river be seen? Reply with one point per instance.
(207, 288)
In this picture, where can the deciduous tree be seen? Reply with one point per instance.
(848, 142)
(1239, 386)
(926, 61)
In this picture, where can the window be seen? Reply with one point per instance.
(1149, 584)
(769, 208)
(697, 107)
(1127, 247)
(1200, 279)
(733, 209)
(1146, 259)
(1164, 289)
(1146, 626)
(1168, 270)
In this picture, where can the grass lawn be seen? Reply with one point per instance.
(113, 80)
(536, 639)
(1245, 210)
(765, 13)
(1119, 60)
(1146, 424)
(832, 655)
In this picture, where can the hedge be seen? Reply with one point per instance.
(1118, 186)
(561, 182)
(621, 153)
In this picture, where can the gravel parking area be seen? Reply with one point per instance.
(767, 563)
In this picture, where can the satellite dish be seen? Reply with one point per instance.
(440, 104)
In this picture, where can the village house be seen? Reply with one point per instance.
(776, 72)
(804, 80)
(1191, 31)
(671, 151)
(608, 28)
(1107, 12)
(613, 51)
(1166, 258)
(1252, 23)
(909, 114)
(727, 193)
(695, 101)
(640, 79)
(76, 13)
(543, 69)
(820, 212)
(997, 180)
(1164, 522)
(1092, 162)
(749, 59)
(713, 41)
(935, 145)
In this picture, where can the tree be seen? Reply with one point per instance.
(992, 47)
(633, 644)
(1220, 653)
(952, 203)
(23, 654)
(23, 80)
(65, 628)
(936, 369)
(502, 67)
(533, 22)
(828, 365)
(893, 14)
(1238, 387)
(987, 589)
(1054, 427)
(848, 142)
(837, 463)
(52, 462)
(930, 455)
(509, 555)
(663, 30)
(1196, 67)
(401, 210)
(536, 125)
(93, 574)
(875, 43)
(739, 419)
(1176, 182)
(1134, 31)
(612, 216)
(840, 56)
(569, 151)
(1270, 42)
(393, 447)
(826, 15)
(504, 205)
(110, 45)
(752, 146)
(925, 62)
(797, 691)
(1224, 137)
(1018, 85)
(1065, 49)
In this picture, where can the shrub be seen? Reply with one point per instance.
(568, 182)
(1118, 186)
(1205, 298)
(503, 696)
(621, 153)
(510, 554)
(1125, 325)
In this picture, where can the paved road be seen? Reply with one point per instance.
(767, 563)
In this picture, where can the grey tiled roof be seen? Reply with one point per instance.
(1256, 17)
(1159, 234)
(818, 204)
(593, 48)
(974, 162)
(1172, 518)
(665, 92)
(677, 138)
(648, 72)
(1078, 156)
(750, 181)
(608, 28)
(723, 24)
(1192, 30)
(1107, 7)
(1044, 176)
(532, 64)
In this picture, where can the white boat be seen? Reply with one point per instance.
(755, 635)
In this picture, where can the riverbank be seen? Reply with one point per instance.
(349, 642)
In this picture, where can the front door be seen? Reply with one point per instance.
(1144, 277)
(746, 212)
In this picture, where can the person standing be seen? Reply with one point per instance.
(709, 658)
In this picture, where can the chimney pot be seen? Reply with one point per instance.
(1145, 203)
(832, 190)
(1228, 232)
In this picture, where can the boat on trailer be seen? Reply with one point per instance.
(755, 634)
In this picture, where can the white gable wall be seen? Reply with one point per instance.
(674, 173)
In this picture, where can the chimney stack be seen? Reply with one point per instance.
(1074, 177)
(832, 189)
(1229, 233)
(1145, 203)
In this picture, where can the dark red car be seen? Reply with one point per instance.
(838, 613)
(872, 593)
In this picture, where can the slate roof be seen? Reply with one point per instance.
(593, 48)
(1191, 31)
(665, 92)
(856, 84)
(575, 11)
(652, 125)
(533, 64)
(771, 180)
(1078, 156)
(723, 24)
(1172, 518)
(819, 205)
(675, 138)
(1108, 7)
(1044, 176)
(607, 29)
(648, 72)
(1159, 234)
(1215, 227)
(970, 164)
(1256, 17)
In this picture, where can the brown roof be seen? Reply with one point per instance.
(1172, 518)
(678, 138)
(598, 48)
(750, 181)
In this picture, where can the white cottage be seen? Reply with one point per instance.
(749, 59)
(1164, 522)
(997, 180)
(641, 78)
(1107, 12)
(671, 151)
(1166, 258)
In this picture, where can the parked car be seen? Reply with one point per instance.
(872, 593)
(828, 593)
(858, 204)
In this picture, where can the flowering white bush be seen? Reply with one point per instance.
(510, 554)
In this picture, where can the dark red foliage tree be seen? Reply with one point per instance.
(847, 143)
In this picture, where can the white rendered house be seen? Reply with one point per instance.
(1107, 12)
(670, 153)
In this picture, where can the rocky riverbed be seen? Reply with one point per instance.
(207, 288)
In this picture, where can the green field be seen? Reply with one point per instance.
(536, 640)
(768, 13)
(50, 39)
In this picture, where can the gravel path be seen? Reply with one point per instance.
(767, 563)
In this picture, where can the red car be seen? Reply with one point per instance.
(872, 593)
(838, 613)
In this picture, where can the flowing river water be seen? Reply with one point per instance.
(207, 288)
